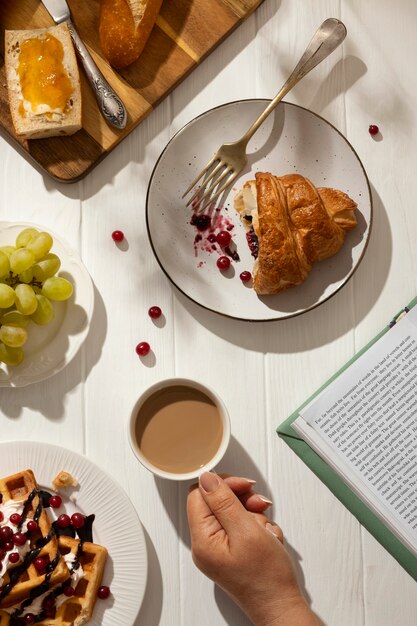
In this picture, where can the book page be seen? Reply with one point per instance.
(367, 417)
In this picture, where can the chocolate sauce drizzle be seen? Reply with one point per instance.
(17, 571)
(85, 534)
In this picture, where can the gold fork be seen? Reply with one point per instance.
(231, 158)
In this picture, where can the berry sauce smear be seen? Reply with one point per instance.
(213, 233)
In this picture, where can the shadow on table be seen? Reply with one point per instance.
(39, 396)
(317, 96)
(235, 462)
(151, 609)
(307, 331)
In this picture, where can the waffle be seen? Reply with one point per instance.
(18, 488)
(77, 609)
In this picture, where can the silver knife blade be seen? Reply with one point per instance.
(111, 106)
(58, 10)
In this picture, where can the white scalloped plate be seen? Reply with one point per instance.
(116, 526)
(291, 140)
(51, 347)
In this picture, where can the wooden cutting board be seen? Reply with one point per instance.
(186, 31)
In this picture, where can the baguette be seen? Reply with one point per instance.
(43, 82)
(124, 29)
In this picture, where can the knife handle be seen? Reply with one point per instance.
(110, 105)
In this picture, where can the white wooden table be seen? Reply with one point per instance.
(262, 371)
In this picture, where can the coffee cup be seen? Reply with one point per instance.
(179, 428)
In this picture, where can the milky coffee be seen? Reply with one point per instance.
(179, 429)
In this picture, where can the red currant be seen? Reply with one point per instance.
(14, 557)
(245, 277)
(143, 348)
(55, 502)
(2, 554)
(19, 539)
(6, 533)
(223, 238)
(77, 520)
(117, 235)
(155, 312)
(15, 519)
(9, 545)
(223, 263)
(1, 516)
(40, 565)
(69, 591)
(32, 526)
(103, 592)
(29, 618)
(373, 129)
(64, 520)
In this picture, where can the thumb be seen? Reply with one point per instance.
(222, 502)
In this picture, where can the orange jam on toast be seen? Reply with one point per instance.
(43, 78)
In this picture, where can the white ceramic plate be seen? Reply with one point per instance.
(51, 347)
(291, 140)
(116, 526)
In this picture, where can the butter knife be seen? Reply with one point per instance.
(110, 104)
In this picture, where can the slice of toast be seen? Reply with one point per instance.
(43, 82)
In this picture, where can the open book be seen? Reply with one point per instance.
(363, 424)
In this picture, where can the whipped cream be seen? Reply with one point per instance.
(76, 576)
(34, 607)
(8, 508)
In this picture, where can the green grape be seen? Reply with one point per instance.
(10, 356)
(21, 260)
(25, 237)
(26, 276)
(40, 245)
(7, 250)
(7, 296)
(56, 288)
(14, 318)
(45, 311)
(13, 336)
(26, 301)
(46, 267)
(4, 264)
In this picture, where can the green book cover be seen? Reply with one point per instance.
(335, 483)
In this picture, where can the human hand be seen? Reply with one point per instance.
(243, 488)
(242, 551)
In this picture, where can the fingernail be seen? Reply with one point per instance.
(209, 482)
(265, 499)
(248, 480)
(270, 528)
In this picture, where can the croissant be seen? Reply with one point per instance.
(290, 225)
